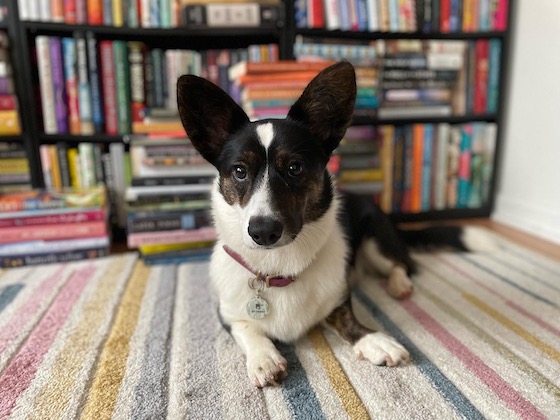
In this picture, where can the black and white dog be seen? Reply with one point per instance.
(287, 240)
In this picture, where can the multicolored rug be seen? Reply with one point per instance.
(112, 338)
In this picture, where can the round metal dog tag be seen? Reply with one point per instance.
(257, 308)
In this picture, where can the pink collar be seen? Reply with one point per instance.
(271, 281)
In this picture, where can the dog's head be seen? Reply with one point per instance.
(272, 171)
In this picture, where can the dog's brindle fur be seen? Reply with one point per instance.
(290, 173)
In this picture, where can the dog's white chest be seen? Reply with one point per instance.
(291, 310)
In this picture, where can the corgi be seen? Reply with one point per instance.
(288, 240)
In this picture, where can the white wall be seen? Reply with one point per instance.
(528, 191)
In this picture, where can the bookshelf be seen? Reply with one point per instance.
(24, 33)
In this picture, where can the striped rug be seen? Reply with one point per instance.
(113, 338)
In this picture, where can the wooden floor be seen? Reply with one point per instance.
(533, 242)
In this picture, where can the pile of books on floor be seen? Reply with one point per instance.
(39, 227)
(268, 90)
(168, 204)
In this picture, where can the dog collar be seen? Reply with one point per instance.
(270, 281)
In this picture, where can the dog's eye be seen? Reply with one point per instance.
(239, 172)
(295, 169)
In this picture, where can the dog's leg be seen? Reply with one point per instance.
(371, 258)
(265, 364)
(379, 348)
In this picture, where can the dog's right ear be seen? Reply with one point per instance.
(209, 115)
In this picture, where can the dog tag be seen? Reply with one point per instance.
(257, 308)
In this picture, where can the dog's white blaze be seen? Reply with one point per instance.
(266, 134)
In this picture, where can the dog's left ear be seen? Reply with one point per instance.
(209, 115)
(327, 104)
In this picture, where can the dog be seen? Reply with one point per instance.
(288, 241)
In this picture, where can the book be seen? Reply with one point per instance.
(53, 257)
(108, 83)
(135, 240)
(84, 88)
(9, 122)
(61, 112)
(42, 199)
(41, 247)
(53, 232)
(415, 111)
(136, 75)
(135, 193)
(42, 44)
(155, 222)
(8, 102)
(48, 218)
(247, 67)
(94, 82)
(214, 15)
(168, 248)
(122, 86)
(71, 84)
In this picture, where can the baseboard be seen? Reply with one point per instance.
(528, 217)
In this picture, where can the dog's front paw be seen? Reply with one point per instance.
(266, 366)
(381, 349)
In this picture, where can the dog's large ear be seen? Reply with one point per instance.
(327, 104)
(208, 114)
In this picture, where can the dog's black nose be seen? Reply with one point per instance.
(265, 231)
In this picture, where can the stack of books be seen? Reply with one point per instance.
(39, 227)
(359, 166)
(268, 90)
(167, 204)
(14, 168)
(364, 57)
(421, 78)
(9, 113)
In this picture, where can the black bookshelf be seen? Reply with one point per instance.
(22, 35)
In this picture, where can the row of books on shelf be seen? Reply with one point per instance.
(113, 86)
(418, 167)
(395, 78)
(403, 15)
(9, 109)
(152, 14)
(40, 227)
(14, 168)
(158, 190)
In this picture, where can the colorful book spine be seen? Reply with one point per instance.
(94, 83)
(494, 58)
(61, 112)
(84, 89)
(122, 86)
(464, 179)
(71, 81)
(46, 84)
(426, 189)
(53, 232)
(53, 257)
(106, 58)
(79, 216)
(135, 240)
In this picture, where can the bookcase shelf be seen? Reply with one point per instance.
(9, 139)
(74, 139)
(446, 214)
(399, 35)
(23, 34)
(426, 120)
